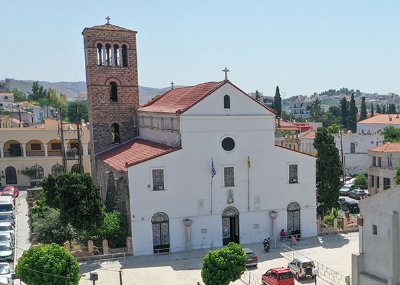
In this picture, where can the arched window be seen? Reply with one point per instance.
(57, 169)
(227, 102)
(113, 92)
(99, 54)
(117, 56)
(39, 172)
(115, 133)
(124, 56)
(293, 219)
(160, 224)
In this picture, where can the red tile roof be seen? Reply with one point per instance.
(180, 99)
(307, 135)
(134, 152)
(387, 147)
(282, 125)
(289, 149)
(387, 119)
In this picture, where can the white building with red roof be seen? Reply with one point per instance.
(205, 171)
(377, 123)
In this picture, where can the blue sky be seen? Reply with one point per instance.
(302, 46)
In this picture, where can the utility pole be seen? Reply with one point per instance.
(64, 160)
(341, 151)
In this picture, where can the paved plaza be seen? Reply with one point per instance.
(184, 268)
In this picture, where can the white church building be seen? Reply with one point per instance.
(205, 171)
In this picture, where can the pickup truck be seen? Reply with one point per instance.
(278, 276)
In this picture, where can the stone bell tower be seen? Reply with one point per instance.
(112, 84)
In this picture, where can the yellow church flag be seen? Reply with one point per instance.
(248, 162)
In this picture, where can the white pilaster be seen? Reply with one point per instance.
(2, 150)
(85, 149)
(45, 151)
(24, 148)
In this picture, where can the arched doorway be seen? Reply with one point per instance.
(160, 223)
(293, 219)
(11, 175)
(230, 225)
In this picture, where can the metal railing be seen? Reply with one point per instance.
(250, 278)
(324, 272)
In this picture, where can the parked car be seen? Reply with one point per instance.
(6, 252)
(7, 228)
(302, 267)
(6, 204)
(341, 202)
(357, 194)
(7, 217)
(5, 270)
(352, 207)
(252, 258)
(278, 276)
(14, 190)
(6, 238)
(344, 191)
(6, 281)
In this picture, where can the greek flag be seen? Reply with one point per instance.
(213, 172)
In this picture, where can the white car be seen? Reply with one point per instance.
(5, 270)
(344, 191)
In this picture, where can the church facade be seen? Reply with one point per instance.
(203, 170)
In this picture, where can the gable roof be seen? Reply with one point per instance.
(282, 125)
(387, 147)
(300, 152)
(109, 27)
(134, 152)
(179, 100)
(386, 119)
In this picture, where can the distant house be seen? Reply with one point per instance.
(377, 123)
(378, 260)
(5, 100)
(382, 161)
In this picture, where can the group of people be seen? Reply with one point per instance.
(283, 236)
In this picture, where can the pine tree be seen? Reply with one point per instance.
(344, 112)
(372, 109)
(329, 170)
(392, 109)
(278, 102)
(352, 120)
(363, 112)
(378, 109)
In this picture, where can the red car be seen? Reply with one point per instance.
(10, 191)
(278, 276)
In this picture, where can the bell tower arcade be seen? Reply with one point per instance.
(112, 84)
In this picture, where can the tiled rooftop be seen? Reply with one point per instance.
(387, 147)
(387, 119)
(134, 152)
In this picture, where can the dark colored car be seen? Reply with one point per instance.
(278, 276)
(252, 258)
(357, 194)
(351, 207)
(341, 202)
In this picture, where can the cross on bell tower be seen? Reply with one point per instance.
(172, 85)
(108, 20)
(225, 70)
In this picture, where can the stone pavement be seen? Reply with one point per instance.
(184, 268)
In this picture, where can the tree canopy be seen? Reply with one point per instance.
(391, 134)
(329, 170)
(352, 119)
(278, 102)
(72, 111)
(363, 112)
(77, 198)
(361, 181)
(48, 264)
(222, 266)
(344, 112)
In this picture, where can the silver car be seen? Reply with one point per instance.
(7, 227)
(6, 252)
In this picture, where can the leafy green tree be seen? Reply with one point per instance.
(225, 265)
(48, 264)
(363, 112)
(352, 119)
(113, 229)
(372, 109)
(391, 134)
(77, 198)
(73, 114)
(278, 102)
(397, 176)
(18, 96)
(378, 109)
(344, 108)
(47, 227)
(383, 109)
(329, 170)
(361, 181)
(333, 129)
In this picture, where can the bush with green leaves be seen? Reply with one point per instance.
(361, 181)
(113, 229)
(225, 265)
(48, 264)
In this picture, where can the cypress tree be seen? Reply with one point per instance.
(372, 109)
(383, 109)
(344, 112)
(378, 109)
(278, 102)
(363, 112)
(392, 109)
(352, 120)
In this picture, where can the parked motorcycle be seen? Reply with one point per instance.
(266, 242)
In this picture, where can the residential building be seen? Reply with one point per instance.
(377, 123)
(38, 147)
(205, 169)
(382, 161)
(5, 100)
(377, 262)
(300, 109)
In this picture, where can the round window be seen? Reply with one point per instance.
(228, 144)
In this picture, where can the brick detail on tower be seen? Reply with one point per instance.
(111, 60)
